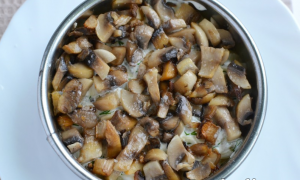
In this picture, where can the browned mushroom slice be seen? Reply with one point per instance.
(136, 86)
(187, 13)
(105, 55)
(181, 44)
(219, 81)
(84, 118)
(200, 35)
(169, 71)
(184, 110)
(187, 33)
(103, 167)
(152, 18)
(122, 20)
(136, 166)
(142, 34)
(244, 110)
(101, 85)
(155, 155)
(237, 74)
(199, 149)
(60, 72)
(142, 70)
(179, 129)
(221, 100)
(80, 70)
(63, 82)
(151, 79)
(151, 125)
(97, 64)
(137, 141)
(160, 39)
(200, 172)
(83, 42)
(185, 83)
(100, 129)
(225, 56)
(113, 141)
(91, 22)
(165, 101)
(70, 98)
(208, 131)
(64, 122)
(91, 149)
(170, 173)
(162, 55)
(120, 53)
(138, 175)
(117, 4)
(86, 85)
(178, 156)
(119, 75)
(101, 45)
(211, 32)
(133, 54)
(107, 102)
(227, 41)
(55, 95)
(173, 25)
(167, 137)
(164, 11)
(224, 119)
(170, 123)
(72, 48)
(72, 139)
(204, 100)
(186, 64)
(123, 122)
(104, 28)
(210, 61)
(212, 158)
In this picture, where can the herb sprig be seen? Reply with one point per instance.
(105, 112)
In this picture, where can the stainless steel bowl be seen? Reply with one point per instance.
(250, 55)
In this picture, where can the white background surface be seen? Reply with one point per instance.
(24, 152)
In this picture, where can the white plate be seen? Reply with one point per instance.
(24, 151)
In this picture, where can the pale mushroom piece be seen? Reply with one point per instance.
(200, 35)
(64, 82)
(60, 72)
(84, 118)
(210, 61)
(159, 39)
(221, 100)
(55, 95)
(237, 74)
(170, 173)
(133, 54)
(80, 70)
(163, 107)
(120, 53)
(101, 85)
(200, 172)
(164, 11)
(142, 70)
(225, 56)
(70, 98)
(160, 56)
(150, 125)
(101, 45)
(227, 41)
(112, 137)
(187, 13)
(194, 55)
(114, 175)
(184, 110)
(214, 22)
(187, 33)
(180, 128)
(100, 129)
(142, 34)
(122, 121)
(211, 32)
(173, 25)
(103, 167)
(138, 175)
(155, 155)
(186, 64)
(152, 17)
(170, 123)
(224, 119)
(244, 110)
(91, 22)
(116, 4)
(72, 139)
(219, 81)
(151, 80)
(136, 86)
(118, 75)
(181, 44)
(91, 149)
(185, 83)
(212, 158)
(105, 55)
(136, 166)
(167, 137)
(104, 28)
(83, 42)
(204, 100)
(122, 20)
(99, 66)
(64, 122)
(86, 85)
(72, 48)
(107, 102)
(153, 170)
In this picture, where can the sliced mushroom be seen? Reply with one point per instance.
(164, 11)
(199, 149)
(227, 41)
(83, 42)
(208, 114)
(180, 128)
(107, 102)
(162, 55)
(64, 122)
(221, 100)
(91, 22)
(219, 81)
(153, 170)
(125, 138)
(200, 172)
(114, 175)
(151, 125)
(170, 123)
(104, 28)
(136, 143)
(206, 99)
(133, 54)
(212, 158)
(155, 155)
(84, 118)
(178, 156)
(194, 55)
(142, 34)
(60, 72)
(70, 98)
(120, 53)
(200, 35)
(118, 75)
(187, 13)
(91, 149)
(81, 31)
(136, 86)
(202, 89)
(55, 95)
(211, 32)
(114, 146)
(105, 55)
(72, 48)
(63, 82)
(136, 166)
(170, 173)
(187, 33)
(165, 101)
(169, 71)
(151, 79)
(122, 20)
(98, 65)
(101, 45)
(237, 74)
(186, 64)
(244, 110)
(208, 131)
(86, 85)
(210, 61)
(80, 70)
(225, 56)
(152, 18)
(138, 175)
(72, 139)
(160, 39)
(142, 69)
(167, 137)
(101, 85)
(117, 4)
(184, 110)
(103, 167)
(100, 129)
(123, 122)
(224, 119)
(185, 83)
(181, 44)
(173, 25)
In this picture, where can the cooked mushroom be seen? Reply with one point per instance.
(118, 4)
(178, 156)
(103, 167)
(164, 11)
(118, 75)
(181, 44)
(155, 155)
(162, 55)
(199, 149)
(227, 41)
(112, 137)
(120, 53)
(81, 31)
(105, 55)
(55, 95)
(64, 122)
(123, 122)
(167, 137)
(122, 20)
(206, 99)
(170, 123)
(173, 25)
(212, 158)
(98, 65)
(84, 118)
(211, 32)
(107, 102)
(169, 71)
(91, 149)
(83, 42)
(208, 114)
(133, 54)
(224, 119)
(60, 72)
(210, 61)
(219, 81)
(202, 89)
(151, 79)
(151, 125)
(136, 86)
(101, 85)
(186, 64)
(185, 83)
(160, 39)
(86, 85)
(187, 33)
(237, 74)
(187, 13)
(136, 166)
(169, 171)
(91, 22)
(137, 141)
(244, 110)
(225, 56)
(72, 48)
(200, 172)
(221, 100)
(142, 34)
(153, 170)
(70, 98)
(104, 28)
(152, 18)
(142, 69)
(138, 175)
(72, 139)
(165, 101)
(180, 128)
(100, 129)
(208, 131)
(63, 82)
(184, 110)
(80, 70)
(101, 45)
(200, 35)
(194, 55)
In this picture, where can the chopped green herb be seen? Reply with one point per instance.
(102, 156)
(188, 143)
(120, 43)
(139, 63)
(122, 173)
(105, 112)
(194, 133)
(75, 124)
(91, 99)
(93, 162)
(216, 145)
(186, 133)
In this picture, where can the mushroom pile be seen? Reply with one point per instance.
(151, 90)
